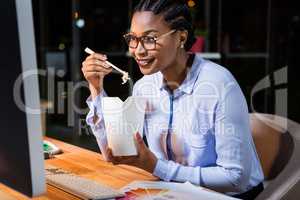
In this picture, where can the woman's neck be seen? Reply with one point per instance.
(175, 74)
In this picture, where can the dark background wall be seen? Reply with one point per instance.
(254, 38)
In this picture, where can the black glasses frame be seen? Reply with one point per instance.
(144, 38)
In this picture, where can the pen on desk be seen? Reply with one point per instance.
(125, 76)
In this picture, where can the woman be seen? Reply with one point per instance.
(196, 122)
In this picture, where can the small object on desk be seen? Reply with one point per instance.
(50, 149)
(79, 186)
(125, 76)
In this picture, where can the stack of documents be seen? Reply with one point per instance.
(175, 191)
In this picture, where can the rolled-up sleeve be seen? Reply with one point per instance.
(95, 120)
(231, 172)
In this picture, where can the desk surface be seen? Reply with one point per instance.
(87, 164)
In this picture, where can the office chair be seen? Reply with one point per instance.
(277, 140)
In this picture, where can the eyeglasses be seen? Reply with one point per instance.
(148, 42)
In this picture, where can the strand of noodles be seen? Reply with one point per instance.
(125, 76)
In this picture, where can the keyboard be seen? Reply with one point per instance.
(79, 186)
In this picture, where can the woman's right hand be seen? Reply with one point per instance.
(94, 70)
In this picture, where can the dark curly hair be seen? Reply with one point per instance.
(175, 12)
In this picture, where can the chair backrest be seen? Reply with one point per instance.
(273, 143)
(278, 145)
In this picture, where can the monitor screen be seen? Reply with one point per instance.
(21, 154)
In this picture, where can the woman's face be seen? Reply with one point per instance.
(145, 23)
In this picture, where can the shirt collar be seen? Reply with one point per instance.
(188, 84)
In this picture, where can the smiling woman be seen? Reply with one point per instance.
(197, 122)
(170, 24)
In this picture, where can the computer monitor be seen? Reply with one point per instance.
(21, 153)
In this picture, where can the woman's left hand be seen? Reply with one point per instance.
(145, 159)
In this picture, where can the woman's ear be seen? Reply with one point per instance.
(183, 35)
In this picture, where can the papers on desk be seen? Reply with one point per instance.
(122, 120)
(176, 191)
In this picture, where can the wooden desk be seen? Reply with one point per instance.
(87, 164)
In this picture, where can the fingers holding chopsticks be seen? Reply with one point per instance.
(94, 69)
(125, 76)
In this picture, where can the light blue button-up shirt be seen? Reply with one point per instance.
(211, 141)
